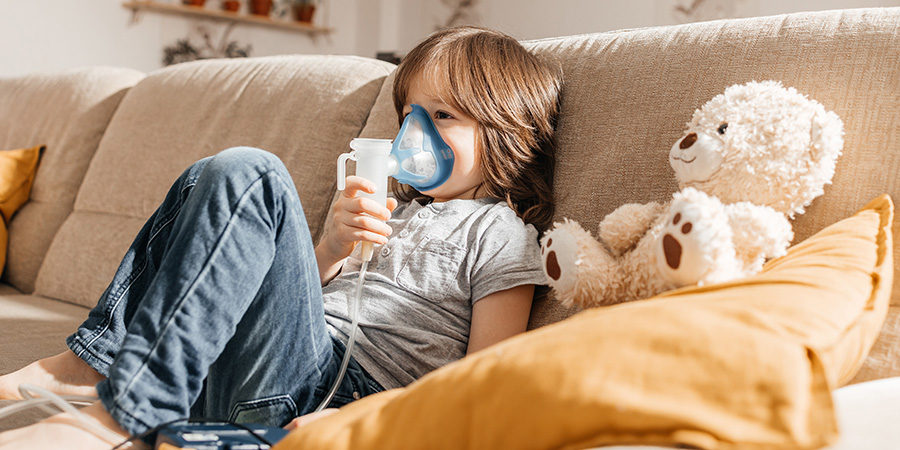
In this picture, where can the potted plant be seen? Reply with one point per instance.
(261, 7)
(303, 9)
(231, 5)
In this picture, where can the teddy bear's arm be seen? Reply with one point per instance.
(760, 233)
(623, 228)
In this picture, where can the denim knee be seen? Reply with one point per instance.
(252, 160)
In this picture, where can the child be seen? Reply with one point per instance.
(228, 317)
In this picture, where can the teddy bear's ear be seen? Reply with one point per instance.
(827, 137)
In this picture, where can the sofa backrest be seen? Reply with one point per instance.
(627, 96)
(305, 109)
(68, 112)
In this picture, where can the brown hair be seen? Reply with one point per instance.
(512, 95)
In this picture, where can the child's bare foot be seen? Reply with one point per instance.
(65, 431)
(62, 374)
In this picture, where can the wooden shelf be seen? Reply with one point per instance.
(195, 11)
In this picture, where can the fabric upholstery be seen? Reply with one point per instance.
(31, 328)
(68, 112)
(745, 364)
(628, 94)
(884, 358)
(305, 109)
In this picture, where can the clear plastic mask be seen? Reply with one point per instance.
(425, 160)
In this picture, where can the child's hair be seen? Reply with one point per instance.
(514, 97)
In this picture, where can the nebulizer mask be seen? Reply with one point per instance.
(419, 157)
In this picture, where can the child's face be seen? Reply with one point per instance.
(459, 132)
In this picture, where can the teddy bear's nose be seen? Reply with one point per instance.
(688, 141)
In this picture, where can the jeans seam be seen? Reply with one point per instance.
(135, 276)
(106, 319)
(85, 348)
(261, 403)
(193, 284)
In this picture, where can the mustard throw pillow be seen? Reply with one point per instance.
(747, 364)
(17, 170)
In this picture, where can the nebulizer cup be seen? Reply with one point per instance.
(374, 163)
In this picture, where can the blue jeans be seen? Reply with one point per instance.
(216, 309)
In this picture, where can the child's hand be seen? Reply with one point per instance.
(308, 418)
(354, 219)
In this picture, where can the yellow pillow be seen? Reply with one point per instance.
(747, 364)
(17, 170)
(4, 242)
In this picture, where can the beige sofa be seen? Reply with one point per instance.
(116, 138)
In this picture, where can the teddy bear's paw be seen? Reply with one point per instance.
(559, 252)
(693, 240)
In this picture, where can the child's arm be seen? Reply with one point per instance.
(354, 219)
(500, 315)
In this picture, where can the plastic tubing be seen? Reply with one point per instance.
(62, 404)
(354, 308)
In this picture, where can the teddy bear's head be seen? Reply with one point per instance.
(760, 142)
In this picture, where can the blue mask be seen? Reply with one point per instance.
(425, 161)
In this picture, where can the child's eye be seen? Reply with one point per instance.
(442, 115)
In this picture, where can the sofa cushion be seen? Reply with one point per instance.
(305, 109)
(68, 112)
(32, 328)
(17, 169)
(745, 364)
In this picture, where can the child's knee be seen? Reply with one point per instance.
(245, 163)
(250, 156)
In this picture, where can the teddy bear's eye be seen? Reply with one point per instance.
(722, 128)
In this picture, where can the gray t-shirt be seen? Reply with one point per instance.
(420, 287)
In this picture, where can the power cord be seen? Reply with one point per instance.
(37, 397)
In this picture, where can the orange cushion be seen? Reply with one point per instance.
(17, 170)
(745, 364)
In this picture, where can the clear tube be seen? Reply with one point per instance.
(355, 308)
(375, 163)
(63, 404)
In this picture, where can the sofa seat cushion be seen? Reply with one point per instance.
(745, 364)
(303, 108)
(32, 328)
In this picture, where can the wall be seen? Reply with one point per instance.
(48, 35)
(533, 19)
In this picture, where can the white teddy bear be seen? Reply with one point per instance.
(751, 158)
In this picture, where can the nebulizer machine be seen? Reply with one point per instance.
(419, 157)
